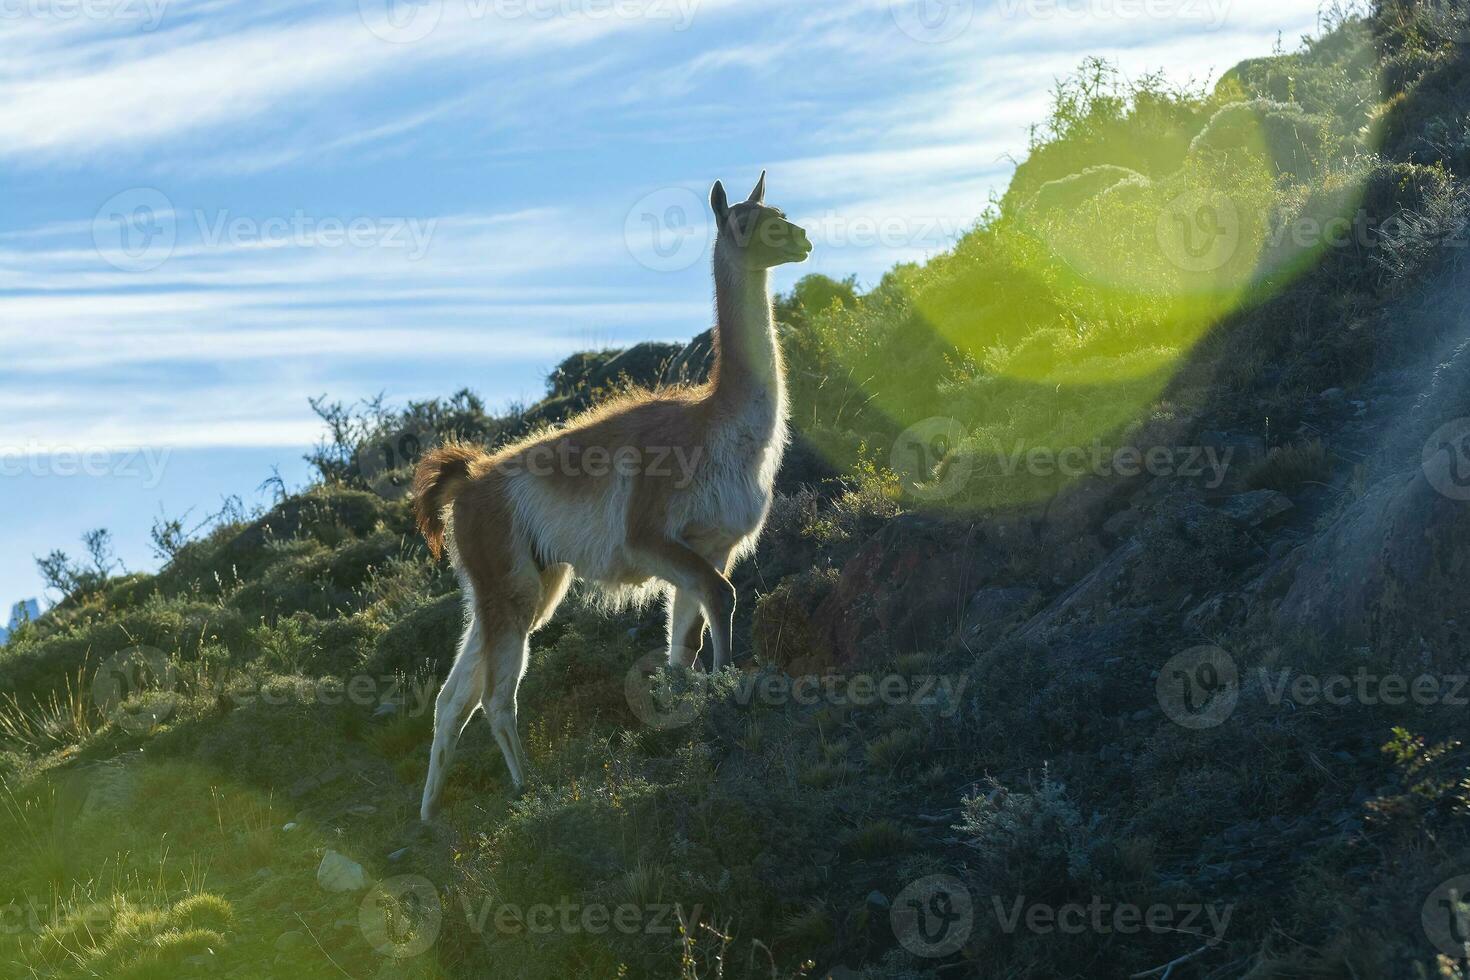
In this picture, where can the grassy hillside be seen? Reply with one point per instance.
(1256, 269)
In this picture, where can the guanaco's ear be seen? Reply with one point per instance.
(719, 202)
(758, 196)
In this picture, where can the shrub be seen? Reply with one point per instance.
(1288, 467)
(1034, 837)
(1069, 192)
(784, 633)
(1289, 139)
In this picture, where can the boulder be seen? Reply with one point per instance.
(1389, 571)
(1234, 450)
(905, 590)
(1092, 596)
(1256, 507)
(992, 611)
(1216, 614)
(339, 873)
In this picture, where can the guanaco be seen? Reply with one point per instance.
(600, 498)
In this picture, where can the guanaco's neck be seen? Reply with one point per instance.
(747, 357)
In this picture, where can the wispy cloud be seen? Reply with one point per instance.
(82, 86)
(522, 146)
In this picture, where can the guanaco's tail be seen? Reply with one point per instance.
(441, 474)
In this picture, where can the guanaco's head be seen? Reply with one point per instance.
(754, 234)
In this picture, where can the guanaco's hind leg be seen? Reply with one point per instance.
(508, 596)
(461, 694)
(506, 656)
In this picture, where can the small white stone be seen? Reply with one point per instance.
(339, 873)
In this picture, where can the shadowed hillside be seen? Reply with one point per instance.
(1107, 622)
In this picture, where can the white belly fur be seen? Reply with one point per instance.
(729, 495)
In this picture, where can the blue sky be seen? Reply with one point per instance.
(215, 209)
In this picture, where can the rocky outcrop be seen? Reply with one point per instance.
(1391, 569)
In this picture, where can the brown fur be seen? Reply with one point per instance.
(439, 477)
